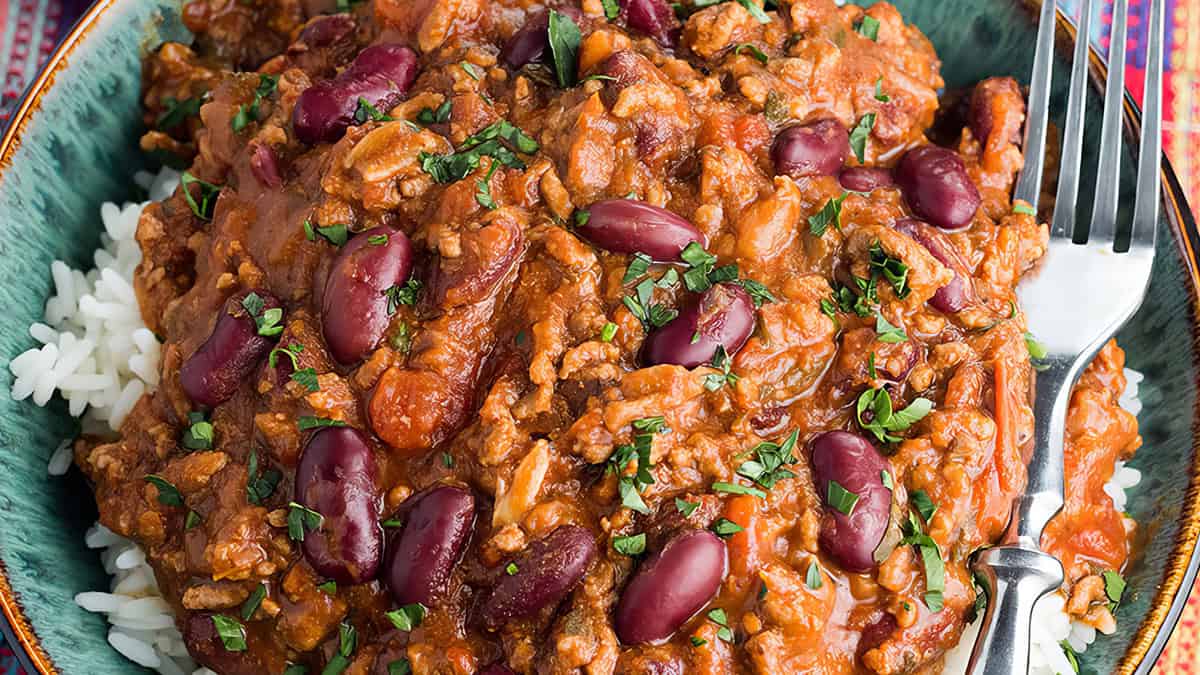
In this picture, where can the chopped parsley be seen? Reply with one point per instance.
(248, 113)
(301, 520)
(923, 504)
(1024, 209)
(767, 466)
(886, 332)
(191, 520)
(611, 9)
(511, 569)
(261, 484)
(295, 669)
(718, 617)
(399, 667)
(252, 603)
(685, 507)
(471, 70)
(723, 363)
(759, 293)
(638, 266)
(199, 433)
(328, 588)
(875, 414)
(486, 143)
(407, 617)
(931, 558)
(168, 494)
(1072, 657)
(879, 95)
(631, 487)
(403, 294)
(886, 478)
(812, 577)
(726, 528)
(858, 300)
(608, 332)
(859, 134)
(1114, 588)
(175, 112)
(893, 270)
(306, 422)
(291, 351)
(447, 460)
(700, 267)
(755, 11)
(231, 632)
(377, 240)
(830, 214)
(840, 498)
(401, 340)
(735, 489)
(869, 28)
(366, 112)
(204, 208)
(347, 641)
(441, 115)
(1037, 350)
(564, 38)
(634, 544)
(265, 320)
(698, 641)
(483, 189)
(641, 305)
(335, 234)
(307, 378)
(754, 51)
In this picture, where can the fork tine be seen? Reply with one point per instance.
(1067, 197)
(1145, 210)
(1108, 173)
(1029, 183)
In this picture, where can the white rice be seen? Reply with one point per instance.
(1051, 624)
(101, 358)
(95, 350)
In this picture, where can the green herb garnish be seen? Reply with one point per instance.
(634, 544)
(231, 632)
(168, 494)
(564, 38)
(301, 520)
(769, 458)
(830, 214)
(407, 617)
(252, 603)
(859, 134)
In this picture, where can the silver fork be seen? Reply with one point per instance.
(1083, 292)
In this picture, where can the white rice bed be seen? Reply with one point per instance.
(99, 356)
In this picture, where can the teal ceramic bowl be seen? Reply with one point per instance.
(73, 143)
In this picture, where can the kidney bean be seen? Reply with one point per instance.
(670, 587)
(205, 646)
(852, 462)
(325, 30)
(354, 314)
(380, 74)
(546, 573)
(336, 478)
(723, 315)
(937, 188)
(652, 17)
(818, 148)
(436, 529)
(996, 95)
(865, 178)
(631, 226)
(213, 372)
(531, 42)
(957, 294)
(264, 164)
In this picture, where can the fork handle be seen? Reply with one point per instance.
(1014, 578)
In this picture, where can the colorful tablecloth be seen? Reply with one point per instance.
(31, 29)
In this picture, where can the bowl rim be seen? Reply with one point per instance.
(1183, 562)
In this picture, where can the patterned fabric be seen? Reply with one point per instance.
(31, 29)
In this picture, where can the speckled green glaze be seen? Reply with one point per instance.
(77, 150)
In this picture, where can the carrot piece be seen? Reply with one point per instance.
(743, 546)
